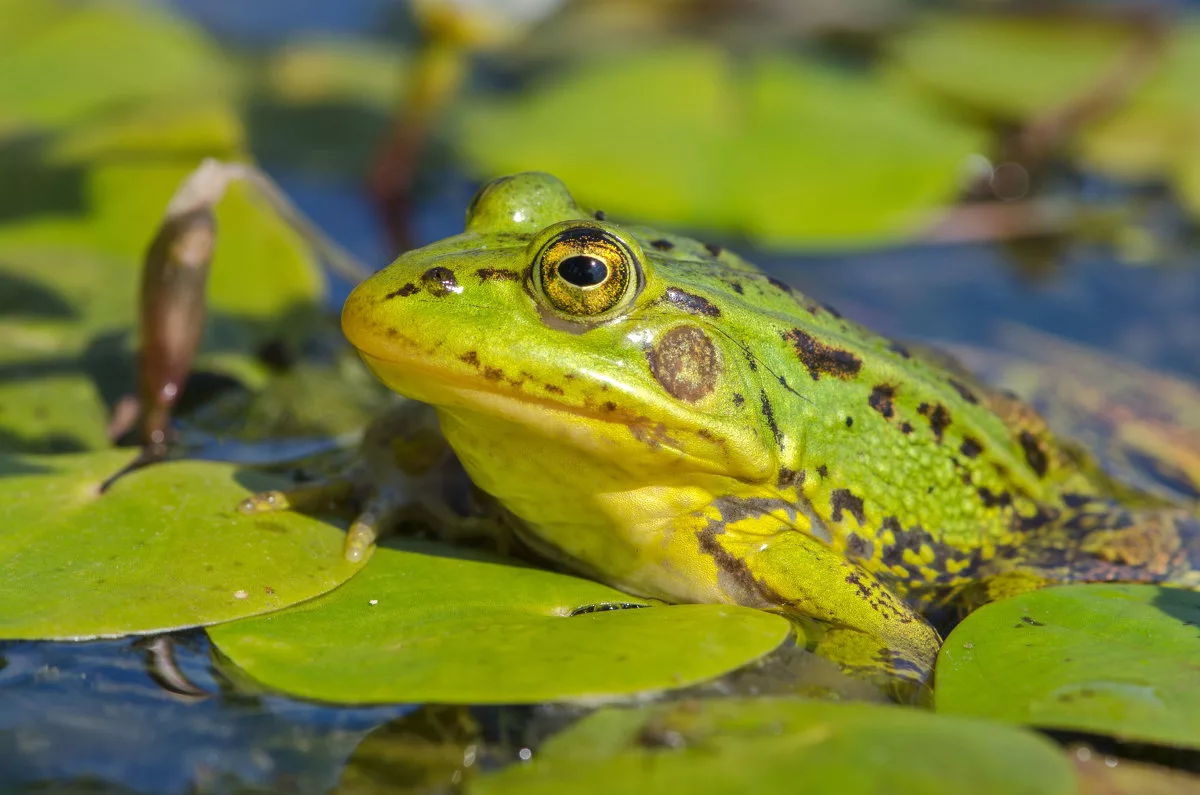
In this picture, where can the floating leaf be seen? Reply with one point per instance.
(164, 548)
(1013, 68)
(332, 70)
(1157, 133)
(72, 64)
(1018, 68)
(439, 624)
(787, 151)
(1107, 659)
(786, 745)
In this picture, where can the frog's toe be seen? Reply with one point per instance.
(869, 658)
(326, 496)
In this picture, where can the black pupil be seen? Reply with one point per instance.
(583, 271)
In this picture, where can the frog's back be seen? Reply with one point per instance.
(896, 457)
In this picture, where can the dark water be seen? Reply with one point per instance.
(91, 717)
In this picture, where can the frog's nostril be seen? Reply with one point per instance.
(440, 281)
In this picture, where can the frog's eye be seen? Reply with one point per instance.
(584, 270)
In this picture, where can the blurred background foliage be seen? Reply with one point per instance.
(944, 170)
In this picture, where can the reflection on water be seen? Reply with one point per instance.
(91, 711)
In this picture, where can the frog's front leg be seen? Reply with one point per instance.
(869, 630)
(404, 469)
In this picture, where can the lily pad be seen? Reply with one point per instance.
(1157, 132)
(1017, 68)
(1106, 659)
(788, 151)
(163, 549)
(786, 745)
(78, 60)
(431, 623)
(1011, 67)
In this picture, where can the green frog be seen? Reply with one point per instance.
(660, 415)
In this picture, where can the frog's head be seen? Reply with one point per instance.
(606, 345)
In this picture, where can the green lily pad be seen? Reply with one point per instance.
(432, 623)
(1011, 67)
(786, 745)
(163, 549)
(787, 151)
(1017, 68)
(1157, 132)
(77, 60)
(1107, 659)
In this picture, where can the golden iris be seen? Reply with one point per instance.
(584, 270)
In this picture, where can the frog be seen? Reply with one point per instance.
(659, 414)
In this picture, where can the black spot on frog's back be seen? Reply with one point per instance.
(662, 244)
(782, 287)
(964, 391)
(938, 416)
(843, 500)
(769, 415)
(821, 359)
(970, 447)
(881, 399)
(1035, 456)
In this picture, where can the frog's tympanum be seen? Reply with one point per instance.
(660, 415)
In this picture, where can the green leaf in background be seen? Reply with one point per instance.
(1016, 68)
(437, 624)
(337, 70)
(108, 141)
(786, 151)
(1106, 659)
(70, 289)
(786, 745)
(1012, 68)
(71, 62)
(163, 549)
(1157, 132)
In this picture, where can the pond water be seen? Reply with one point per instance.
(95, 717)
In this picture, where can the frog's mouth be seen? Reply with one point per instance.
(445, 389)
(590, 430)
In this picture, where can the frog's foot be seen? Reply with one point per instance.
(1152, 545)
(405, 472)
(1103, 542)
(377, 513)
(904, 674)
(866, 628)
